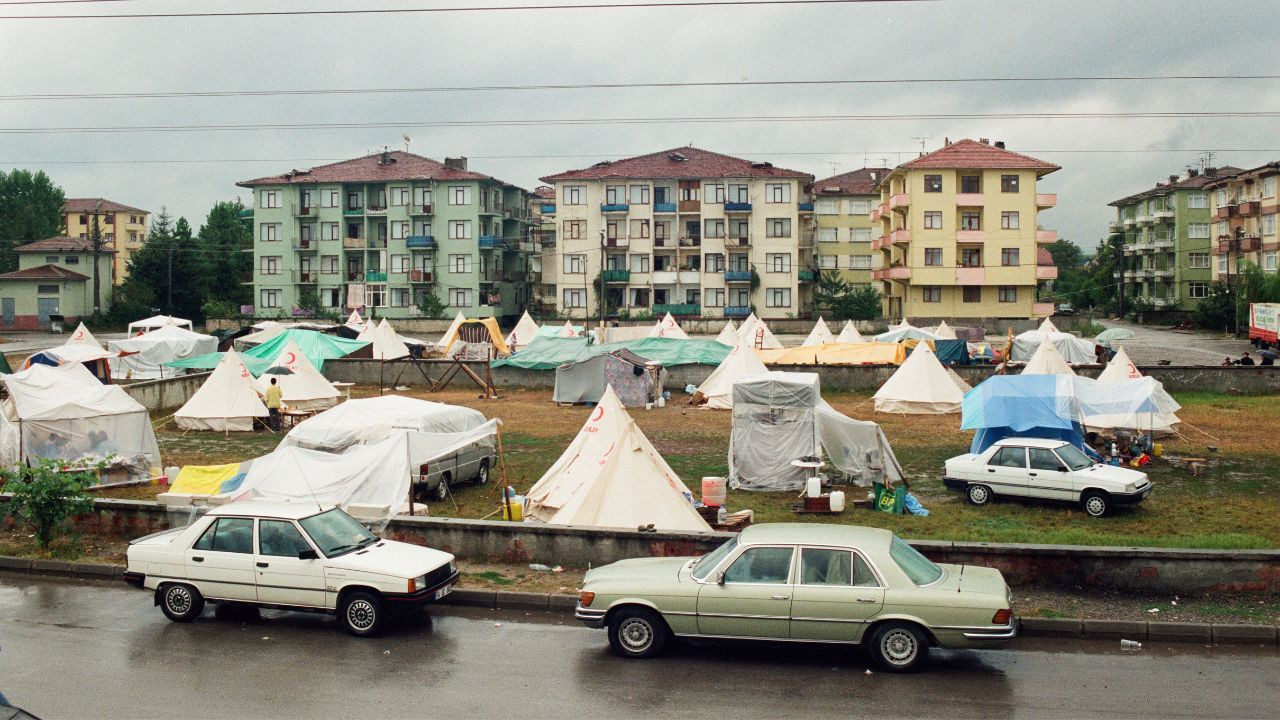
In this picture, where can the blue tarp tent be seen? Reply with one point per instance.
(1022, 405)
(951, 352)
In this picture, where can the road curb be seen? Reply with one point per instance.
(1204, 633)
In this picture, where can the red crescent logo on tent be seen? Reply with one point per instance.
(290, 359)
(605, 456)
(79, 335)
(599, 413)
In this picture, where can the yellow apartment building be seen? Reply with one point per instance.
(1243, 208)
(843, 231)
(124, 228)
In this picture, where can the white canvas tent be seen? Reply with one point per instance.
(144, 357)
(66, 413)
(81, 347)
(1120, 372)
(819, 335)
(717, 390)
(667, 327)
(451, 331)
(1048, 327)
(386, 343)
(355, 322)
(304, 388)
(849, 333)
(226, 401)
(156, 322)
(944, 331)
(370, 420)
(568, 331)
(1074, 350)
(1120, 368)
(523, 333)
(1047, 361)
(758, 334)
(728, 334)
(611, 476)
(921, 385)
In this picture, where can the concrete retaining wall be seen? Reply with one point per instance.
(169, 393)
(1110, 568)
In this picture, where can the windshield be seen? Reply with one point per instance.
(919, 568)
(1074, 457)
(707, 562)
(336, 532)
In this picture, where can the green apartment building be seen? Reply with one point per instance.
(1166, 233)
(381, 232)
(843, 230)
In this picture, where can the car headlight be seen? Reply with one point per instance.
(420, 581)
(1131, 486)
(453, 568)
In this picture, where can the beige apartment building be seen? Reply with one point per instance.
(843, 230)
(1243, 207)
(123, 228)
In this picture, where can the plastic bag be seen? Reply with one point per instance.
(913, 506)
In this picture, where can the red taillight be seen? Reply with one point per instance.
(586, 598)
(413, 586)
(1002, 617)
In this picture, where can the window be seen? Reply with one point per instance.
(84, 219)
(1198, 260)
(826, 567)
(269, 199)
(860, 262)
(612, 228)
(399, 264)
(920, 569)
(715, 228)
(933, 183)
(422, 196)
(933, 220)
(615, 194)
(860, 234)
(574, 195)
(713, 193)
(575, 297)
(639, 263)
(933, 256)
(328, 197)
(825, 234)
(931, 293)
(1044, 459)
(459, 195)
(777, 297)
(1198, 231)
(1197, 290)
(714, 263)
(761, 565)
(574, 229)
(1010, 457)
(971, 293)
(331, 297)
(1269, 224)
(47, 289)
(860, 207)
(400, 196)
(329, 231)
(1222, 263)
(738, 193)
(307, 232)
(970, 183)
(279, 538)
(778, 192)
(50, 259)
(1268, 189)
(71, 260)
(227, 535)
(133, 236)
(971, 220)
(1220, 197)
(270, 298)
(269, 232)
(460, 297)
(1269, 260)
(714, 297)
(575, 264)
(1009, 220)
(778, 228)
(269, 265)
(971, 257)
(460, 264)
(375, 295)
(1009, 257)
(1008, 293)
(828, 262)
(1224, 229)
(639, 195)
(399, 229)
(777, 262)
(826, 206)
(1197, 200)
(1009, 183)
(329, 264)
(459, 229)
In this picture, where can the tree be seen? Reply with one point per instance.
(224, 237)
(30, 209)
(45, 495)
(842, 300)
(431, 306)
(1066, 254)
(169, 270)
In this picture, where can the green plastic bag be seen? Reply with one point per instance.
(890, 501)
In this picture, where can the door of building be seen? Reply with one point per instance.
(46, 307)
(7, 308)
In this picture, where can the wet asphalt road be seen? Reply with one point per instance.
(85, 649)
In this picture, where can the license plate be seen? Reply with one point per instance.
(443, 591)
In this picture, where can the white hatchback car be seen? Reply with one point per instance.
(1046, 470)
(290, 555)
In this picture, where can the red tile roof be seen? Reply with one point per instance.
(545, 191)
(1190, 183)
(971, 154)
(1043, 256)
(678, 163)
(60, 244)
(399, 165)
(88, 205)
(44, 272)
(854, 182)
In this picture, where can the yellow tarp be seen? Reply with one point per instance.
(495, 335)
(203, 479)
(868, 353)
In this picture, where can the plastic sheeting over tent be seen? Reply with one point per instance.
(304, 388)
(1047, 361)
(717, 390)
(863, 353)
(849, 333)
(144, 357)
(754, 331)
(632, 378)
(728, 334)
(383, 341)
(819, 335)
(156, 322)
(210, 361)
(65, 413)
(611, 476)
(921, 385)
(1160, 421)
(779, 417)
(369, 420)
(905, 331)
(1074, 350)
(226, 402)
(548, 353)
(667, 327)
(318, 347)
(81, 347)
(523, 333)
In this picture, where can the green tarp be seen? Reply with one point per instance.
(4, 365)
(209, 361)
(317, 346)
(549, 353)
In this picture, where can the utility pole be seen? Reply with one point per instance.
(169, 277)
(600, 289)
(1118, 246)
(95, 243)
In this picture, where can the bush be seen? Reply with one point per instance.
(431, 306)
(221, 309)
(44, 496)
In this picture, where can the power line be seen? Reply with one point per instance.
(685, 4)
(621, 86)
(651, 121)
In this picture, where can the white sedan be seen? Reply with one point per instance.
(1046, 470)
(295, 556)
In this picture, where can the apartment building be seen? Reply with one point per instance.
(381, 232)
(123, 228)
(1244, 206)
(542, 275)
(685, 231)
(843, 230)
(960, 234)
(1166, 244)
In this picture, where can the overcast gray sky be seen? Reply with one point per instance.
(940, 39)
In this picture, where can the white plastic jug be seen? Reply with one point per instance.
(714, 490)
(813, 487)
(837, 501)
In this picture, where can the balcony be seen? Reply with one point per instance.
(375, 276)
(614, 207)
(689, 206)
(489, 242)
(1046, 237)
(971, 275)
(353, 212)
(805, 207)
(738, 241)
(737, 207)
(377, 210)
(1046, 272)
(424, 209)
(971, 236)
(352, 243)
(547, 209)
(970, 199)
(1130, 248)
(875, 213)
(893, 273)
(421, 276)
(1128, 223)
(900, 236)
(420, 242)
(1165, 273)
(1044, 309)
(901, 200)
(686, 309)
(664, 208)
(1247, 207)
(1145, 219)
(1162, 244)
(616, 242)
(672, 277)
(379, 243)
(303, 210)
(1160, 215)
(690, 241)
(735, 311)
(665, 242)
(616, 276)
(737, 276)
(880, 243)
(309, 277)
(1046, 200)
(807, 275)
(356, 275)
(308, 245)
(1113, 226)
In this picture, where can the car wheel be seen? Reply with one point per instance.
(1096, 503)
(637, 633)
(181, 602)
(899, 647)
(362, 614)
(482, 477)
(442, 490)
(978, 494)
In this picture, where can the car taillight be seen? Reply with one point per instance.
(586, 598)
(1001, 617)
(413, 585)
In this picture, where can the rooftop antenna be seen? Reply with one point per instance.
(835, 166)
(1206, 160)
(407, 140)
(923, 140)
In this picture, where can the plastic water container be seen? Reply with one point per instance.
(837, 501)
(714, 490)
(514, 511)
(1157, 449)
(662, 401)
(813, 487)
(170, 475)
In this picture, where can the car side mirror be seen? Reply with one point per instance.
(720, 579)
(1063, 468)
(307, 554)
